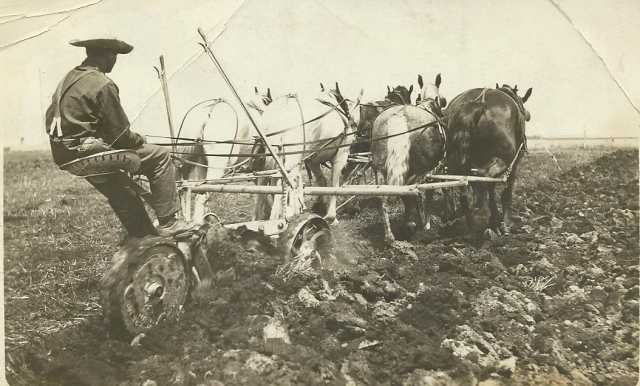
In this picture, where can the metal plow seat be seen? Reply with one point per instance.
(100, 166)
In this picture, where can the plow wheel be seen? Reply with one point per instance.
(147, 284)
(307, 236)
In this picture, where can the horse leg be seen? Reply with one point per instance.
(449, 207)
(320, 180)
(507, 196)
(480, 192)
(338, 164)
(293, 204)
(277, 206)
(466, 208)
(493, 205)
(427, 202)
(262, 202)
(388, 234)
(386, 223)
(410, 213)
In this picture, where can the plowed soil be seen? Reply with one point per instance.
(554, 303)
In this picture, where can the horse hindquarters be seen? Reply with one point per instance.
(463, 120)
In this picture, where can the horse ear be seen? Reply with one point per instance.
(438, 80)
(515, 88)
(420, 83)
(418, 99)
(497, 87)
(410, 90)
(388, 89)
(269, 93)
(527, 95)
(337, 88)
(321, 86)
(442, 101)
(255, 88)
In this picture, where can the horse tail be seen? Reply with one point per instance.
(461, 124)
(398, 150)
(194, 154)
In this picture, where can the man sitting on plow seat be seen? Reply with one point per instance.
(85, 117)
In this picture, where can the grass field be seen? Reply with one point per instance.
(59, 236)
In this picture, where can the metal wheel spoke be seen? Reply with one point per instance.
(157, 290)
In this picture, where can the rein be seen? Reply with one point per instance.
(296, 126)
(343, 115)
(437, 122)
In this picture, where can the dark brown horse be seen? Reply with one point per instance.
(486, 137)
(399, 95)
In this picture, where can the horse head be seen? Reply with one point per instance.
(520, 101)
(399, 95)
(259, 101)
(430, 94)
(344, 106)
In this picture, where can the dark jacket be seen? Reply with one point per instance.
(89, 107)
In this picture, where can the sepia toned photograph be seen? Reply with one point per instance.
(320, 192)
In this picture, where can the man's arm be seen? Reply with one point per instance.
(114, 122)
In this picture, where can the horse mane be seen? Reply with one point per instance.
(342, 102)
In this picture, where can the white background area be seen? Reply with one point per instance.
(292, 45)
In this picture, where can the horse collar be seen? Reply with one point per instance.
(516, 99)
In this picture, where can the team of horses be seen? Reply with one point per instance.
(481, 132)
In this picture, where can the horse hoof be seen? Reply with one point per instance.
(505, 229)
(489, 234)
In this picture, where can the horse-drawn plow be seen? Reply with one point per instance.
(151, 278)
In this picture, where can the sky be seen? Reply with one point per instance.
(291, 45)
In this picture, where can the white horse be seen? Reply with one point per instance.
(211, 122)
(412, 145)
(324, 137)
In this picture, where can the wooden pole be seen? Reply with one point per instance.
(468, 178)
(162, 75)
(348, 190)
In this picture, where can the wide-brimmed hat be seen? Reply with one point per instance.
(111, 44)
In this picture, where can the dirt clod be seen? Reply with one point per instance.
(554, 302)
